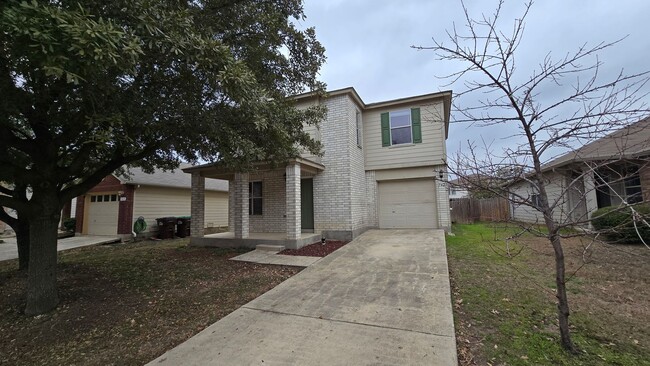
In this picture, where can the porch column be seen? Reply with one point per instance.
(591, 202)
(293, 201)
(240, 211)
(197, 208)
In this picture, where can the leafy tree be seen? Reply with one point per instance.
(89, 86)
(555, 104)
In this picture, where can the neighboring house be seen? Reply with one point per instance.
(383, 166)
(475, 185)
(603, 173)
(457, 190)
(112, 206)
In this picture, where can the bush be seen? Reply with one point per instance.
(616, 223)
(70, 224)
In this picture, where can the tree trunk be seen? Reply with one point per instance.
(562, 299)
(22, 239)
(41, 280)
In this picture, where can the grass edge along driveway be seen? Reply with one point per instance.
(504, 308)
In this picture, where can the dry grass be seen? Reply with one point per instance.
(126, 304)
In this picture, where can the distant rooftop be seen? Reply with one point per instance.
(176, 179)
(629, 142)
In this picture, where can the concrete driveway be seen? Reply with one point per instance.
(9, 250)
(383, 299)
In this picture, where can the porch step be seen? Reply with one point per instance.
(270, 248)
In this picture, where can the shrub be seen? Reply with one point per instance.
(617, 223)
(70, 224)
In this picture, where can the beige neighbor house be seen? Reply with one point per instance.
(111, 207)
(607, 172)
(383, 166)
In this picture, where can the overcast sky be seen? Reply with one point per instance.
(368, 43)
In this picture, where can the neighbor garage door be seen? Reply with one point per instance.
(103, 214)
(407, 204)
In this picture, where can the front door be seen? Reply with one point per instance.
(307, 204)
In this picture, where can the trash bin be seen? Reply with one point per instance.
(183, 226)
(166, 227)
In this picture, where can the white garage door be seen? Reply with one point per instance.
(103, 214)
(408, 204)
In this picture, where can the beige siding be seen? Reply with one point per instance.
(555, 188)
(430, 152)
(155, 202)
(313, 131)
(216, 209)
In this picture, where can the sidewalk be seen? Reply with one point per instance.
(9, 250)
(383, 299)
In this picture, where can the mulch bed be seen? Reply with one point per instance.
(316, 249)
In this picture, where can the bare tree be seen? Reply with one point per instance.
(554, 106)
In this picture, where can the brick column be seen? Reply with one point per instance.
(125, 210)
(442, 198)
(79, 213)
(240, 220)
(197, 206)
(293, 201)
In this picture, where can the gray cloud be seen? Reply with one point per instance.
(368, 44)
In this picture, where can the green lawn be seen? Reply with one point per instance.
(504, 308)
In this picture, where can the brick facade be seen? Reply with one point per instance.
(125, 212)
(332, 193)
(372, 211)
(442, 199)
(273, 219)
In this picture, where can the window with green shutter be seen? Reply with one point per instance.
(401, 127)
(385, 129)
(415, 125)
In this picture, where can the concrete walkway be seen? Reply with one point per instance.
(383, 299)
(9, 250)
(272, 257)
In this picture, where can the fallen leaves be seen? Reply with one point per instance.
(127, 304)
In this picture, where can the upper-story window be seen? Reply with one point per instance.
(401, 127)
(359, 123)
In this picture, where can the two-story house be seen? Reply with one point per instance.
(383, 166)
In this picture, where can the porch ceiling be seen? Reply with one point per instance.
(218, 171)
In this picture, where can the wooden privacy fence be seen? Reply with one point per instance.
(470, 210)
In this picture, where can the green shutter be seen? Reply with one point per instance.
(385, 130)
(416, 126)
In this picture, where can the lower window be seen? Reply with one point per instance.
(255, 198)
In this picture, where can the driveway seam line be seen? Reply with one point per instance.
(346, 322)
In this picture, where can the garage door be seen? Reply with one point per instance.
(102, 214)
(408, 204)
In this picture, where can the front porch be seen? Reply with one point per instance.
(269, 205)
